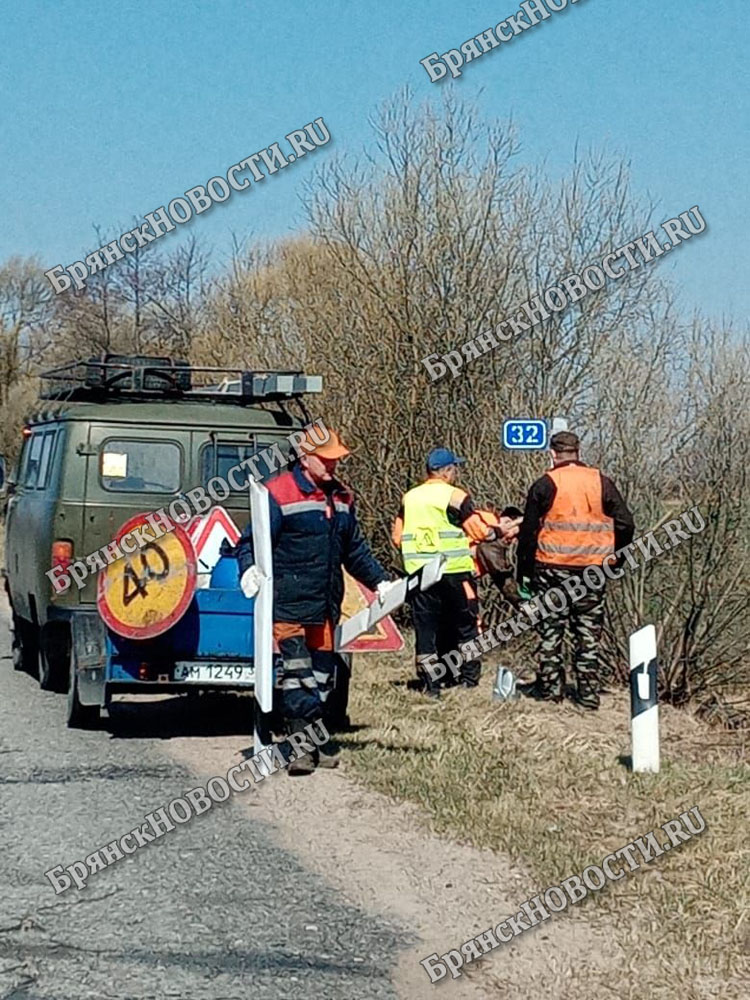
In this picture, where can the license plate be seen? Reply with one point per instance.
(214, 673)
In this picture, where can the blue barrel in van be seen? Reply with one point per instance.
(226, 574)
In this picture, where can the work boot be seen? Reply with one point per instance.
(328, 755)
(328, 760)
(540, 692)
(470, 674)
(427, 685)
(339, 724)
(307, 762)
(302, 765)
(430, 685)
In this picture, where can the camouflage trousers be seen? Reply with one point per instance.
(583, 621)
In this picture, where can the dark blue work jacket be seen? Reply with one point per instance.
(314, 532)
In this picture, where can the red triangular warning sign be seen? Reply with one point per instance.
(385, 636)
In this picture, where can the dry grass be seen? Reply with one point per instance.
(550, 787)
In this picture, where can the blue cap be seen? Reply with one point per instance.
(440, 457)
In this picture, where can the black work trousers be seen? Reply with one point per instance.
(445, 616)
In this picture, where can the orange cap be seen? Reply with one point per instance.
(334, 447)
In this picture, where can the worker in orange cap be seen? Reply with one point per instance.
(314, 533)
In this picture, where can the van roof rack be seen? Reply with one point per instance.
(140, 377)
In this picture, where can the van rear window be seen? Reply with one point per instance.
(45, 459)
(142, 466)
(32, 459)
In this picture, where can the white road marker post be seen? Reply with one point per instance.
(558, 424)
(262, 611)
(644, 700)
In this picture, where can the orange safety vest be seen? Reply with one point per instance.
(576, 531)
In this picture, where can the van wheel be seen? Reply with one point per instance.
(54, 659)
(24, 645)
(78, 716)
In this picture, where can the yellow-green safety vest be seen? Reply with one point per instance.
(427, 530)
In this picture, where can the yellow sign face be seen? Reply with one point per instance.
(146, 592)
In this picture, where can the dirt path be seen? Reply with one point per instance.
(381, 856)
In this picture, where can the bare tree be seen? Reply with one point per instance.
(24, 320)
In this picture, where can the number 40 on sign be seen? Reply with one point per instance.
(525, 435)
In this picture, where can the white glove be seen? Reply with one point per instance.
(250, 581)
(382, 589)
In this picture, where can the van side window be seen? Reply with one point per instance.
(140, 466)
(45, 459)
(31, 471)
(219, 459)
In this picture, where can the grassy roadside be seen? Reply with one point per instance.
(547, 786)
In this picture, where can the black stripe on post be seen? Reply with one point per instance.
(639, 705)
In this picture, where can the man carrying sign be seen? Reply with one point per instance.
(314, 532)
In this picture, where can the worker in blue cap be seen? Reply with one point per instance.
(437, 517)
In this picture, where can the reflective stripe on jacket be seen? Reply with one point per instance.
(314, 532)
(427, 530)
(576, 531)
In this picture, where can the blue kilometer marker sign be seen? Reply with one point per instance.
(525, 435)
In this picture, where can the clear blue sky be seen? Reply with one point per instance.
(108, 110)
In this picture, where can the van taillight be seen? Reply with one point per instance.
(62, 554)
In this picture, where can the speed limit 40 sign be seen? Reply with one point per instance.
(147, 592)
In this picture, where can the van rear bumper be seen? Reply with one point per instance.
(182, 675)
(152, 688)
(103, 670)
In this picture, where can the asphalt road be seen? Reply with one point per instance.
(212, 911)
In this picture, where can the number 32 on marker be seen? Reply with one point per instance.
(525, 435)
